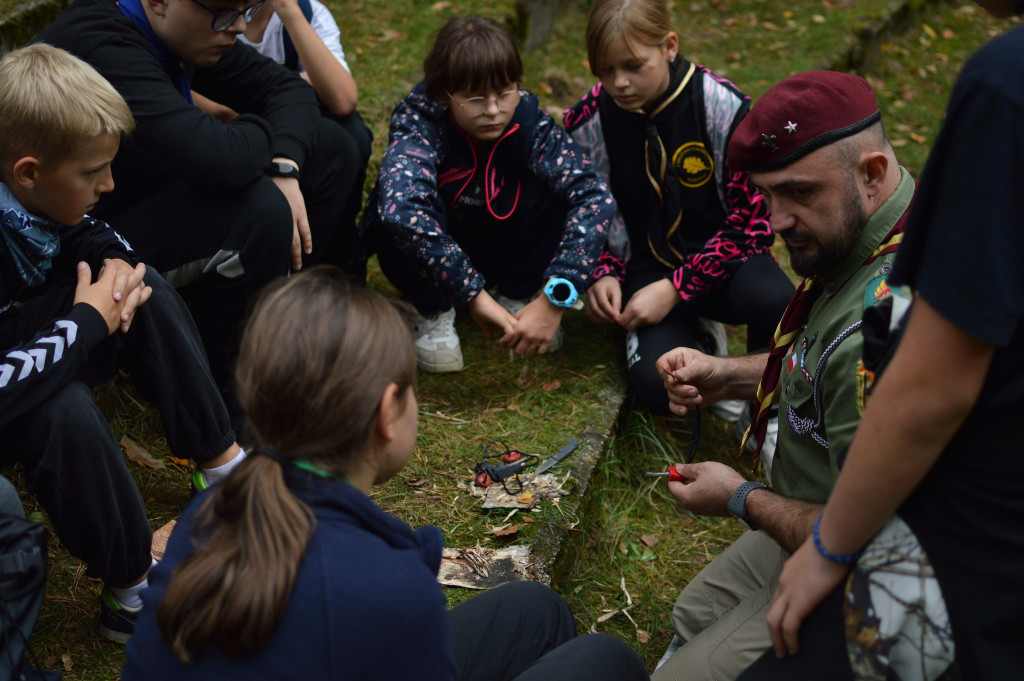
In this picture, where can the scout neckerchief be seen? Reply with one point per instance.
(32, 242)
(656, 158)
(179, 72)
(793, 320)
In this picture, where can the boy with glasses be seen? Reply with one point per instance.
(219, 208)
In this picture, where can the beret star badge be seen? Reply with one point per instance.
(790, 127)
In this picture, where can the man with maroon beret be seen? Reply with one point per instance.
(815, 146)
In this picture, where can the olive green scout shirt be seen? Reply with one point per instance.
(821, 403)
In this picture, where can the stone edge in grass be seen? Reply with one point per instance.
(554, 546)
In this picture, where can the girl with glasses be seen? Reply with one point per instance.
(479, 191)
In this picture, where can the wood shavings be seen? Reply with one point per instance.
(485, 568)
(536, 488)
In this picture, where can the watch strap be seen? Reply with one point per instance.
(738, 503)
(282, 169)
(561, 292)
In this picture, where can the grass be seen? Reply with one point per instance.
(627, 537)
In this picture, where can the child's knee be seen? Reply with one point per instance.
(647, 385)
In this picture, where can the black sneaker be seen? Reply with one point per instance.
(117, 621)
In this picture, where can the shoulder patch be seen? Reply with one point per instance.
(876, 290)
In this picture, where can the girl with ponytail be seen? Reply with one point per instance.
(287, 570)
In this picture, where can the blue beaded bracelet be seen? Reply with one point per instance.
(848, 559)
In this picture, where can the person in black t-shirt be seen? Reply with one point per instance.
(938, 442)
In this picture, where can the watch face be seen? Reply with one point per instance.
(561, 292)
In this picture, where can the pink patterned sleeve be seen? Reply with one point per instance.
(609, 265)
(746, 233)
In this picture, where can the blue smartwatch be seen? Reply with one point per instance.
(561, 292)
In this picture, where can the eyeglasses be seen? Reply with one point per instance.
(477, 106)
(223, 18)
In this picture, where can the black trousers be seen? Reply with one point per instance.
(72, 462)
(180, 228)
(525, 632)
(756, 295)
(356, 150)
(511, 254)
(822, 653)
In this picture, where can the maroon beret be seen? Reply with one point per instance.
(798, 115)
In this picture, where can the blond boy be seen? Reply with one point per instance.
(75, 305)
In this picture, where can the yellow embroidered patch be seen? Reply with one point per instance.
(693, 164)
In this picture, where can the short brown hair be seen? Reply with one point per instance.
(471, 53)
(51, 103)
(646, 22)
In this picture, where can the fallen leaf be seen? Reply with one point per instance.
(622, 548)
(818, 19)
(920, 139)
(160, 537)
(68, 664)
(526, 497)
(136, 453)
(184, 463)
(607, 616)
(438, 6)
(641, 636)
(418, 482)
(649, 539)
(553, 385)
(929, 30)
(506, 531)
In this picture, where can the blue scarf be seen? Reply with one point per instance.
(31, 241)
(133, 10)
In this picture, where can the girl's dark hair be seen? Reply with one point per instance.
(471, 53)
(315, 359)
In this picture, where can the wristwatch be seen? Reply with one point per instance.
(738, 504)
(282, 169)
(561, 292)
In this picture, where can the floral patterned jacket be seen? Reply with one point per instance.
(429, 162)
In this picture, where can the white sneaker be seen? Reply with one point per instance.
(711, 338)
(514, 305)
(771, 439)
(437, 344)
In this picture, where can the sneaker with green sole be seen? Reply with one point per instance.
(198, 483)
(117, 621)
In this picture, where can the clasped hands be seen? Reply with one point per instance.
(529, 331)
(116, 294)
(646, 307)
